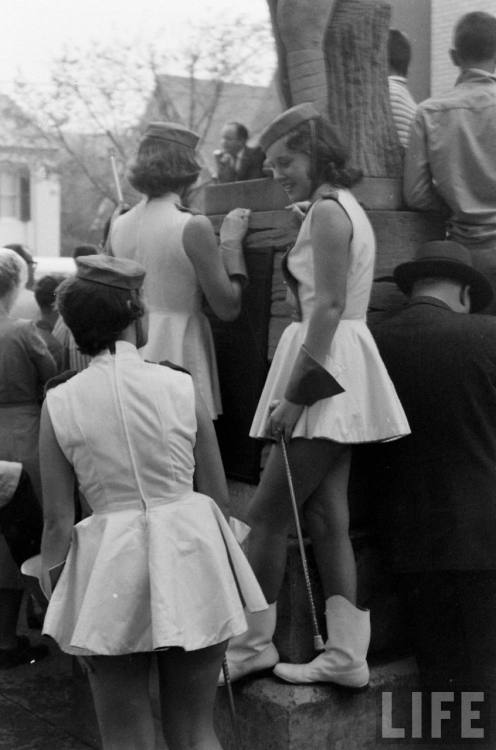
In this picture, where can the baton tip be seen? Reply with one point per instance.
(318, 643)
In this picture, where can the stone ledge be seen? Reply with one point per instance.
(273, 715)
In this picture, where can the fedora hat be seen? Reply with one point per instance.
(449, 260)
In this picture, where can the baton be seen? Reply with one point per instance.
(115, 174)
(318, 642)
(232, 708)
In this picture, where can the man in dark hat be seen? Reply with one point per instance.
(438, 485)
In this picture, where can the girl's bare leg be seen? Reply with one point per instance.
(188, 684)
(120, 687)
(327, 522)
(270, 511)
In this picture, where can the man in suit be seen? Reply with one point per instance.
(236, 161)
(438, 485)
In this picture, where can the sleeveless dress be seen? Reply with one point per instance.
(151, 233)
(156, 564)
(368, 410)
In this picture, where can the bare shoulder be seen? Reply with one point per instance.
(329, 209)
(198, 224)
(199, 238)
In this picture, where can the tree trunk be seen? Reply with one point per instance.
(333, 53)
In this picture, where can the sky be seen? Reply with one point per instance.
(34, 31)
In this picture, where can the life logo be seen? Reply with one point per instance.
(421, 717)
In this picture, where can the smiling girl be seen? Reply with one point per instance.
(327, 389)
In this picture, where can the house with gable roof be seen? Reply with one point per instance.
(206, 105)
(29, 184)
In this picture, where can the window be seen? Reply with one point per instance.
(15, 198)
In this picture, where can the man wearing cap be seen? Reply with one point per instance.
(438, 485)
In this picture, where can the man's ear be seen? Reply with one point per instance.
(466, 298)
(455, 59)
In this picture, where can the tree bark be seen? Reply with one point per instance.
(333, 54)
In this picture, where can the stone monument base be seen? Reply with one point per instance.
(273, 715)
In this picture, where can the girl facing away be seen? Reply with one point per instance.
(154, 571)
(183, 260)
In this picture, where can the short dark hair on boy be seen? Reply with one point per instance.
(96, 314)
(399, 52)
(162, 167)
(44, 290)
(329, 155)
(475, 37)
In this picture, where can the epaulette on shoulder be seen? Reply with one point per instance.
(62, 377)
(329, 195)
(166, 363)
(187, 210)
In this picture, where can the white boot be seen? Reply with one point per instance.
(344, 659)
(253, 651)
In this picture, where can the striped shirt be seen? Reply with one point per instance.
(403, 107)
(72, 359)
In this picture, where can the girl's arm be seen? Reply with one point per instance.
(331, 233)
(209, 471)
(223, 291)
(57, 480)
(331, 236)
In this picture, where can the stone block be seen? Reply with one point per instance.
(273, 715)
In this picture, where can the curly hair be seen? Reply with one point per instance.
(327, 152)
(96, 314)
(162, 167)
(13, 271)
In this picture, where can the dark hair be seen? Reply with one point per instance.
(327, 152)
(44, 290)
(162, 167)
(96, 314)
(81, 250)
(475, 37)
(20, 250)
(399, 52)
(241, 130)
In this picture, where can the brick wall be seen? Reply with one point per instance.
(444, 15)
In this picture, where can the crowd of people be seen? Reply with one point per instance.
(109, 392)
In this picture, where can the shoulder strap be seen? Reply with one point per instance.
(171, 365)
(62, 377)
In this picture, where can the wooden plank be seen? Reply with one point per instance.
(259, 195)
(379, 193)
(374, 193)
(400, 233)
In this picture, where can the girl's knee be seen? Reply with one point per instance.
(322, 523)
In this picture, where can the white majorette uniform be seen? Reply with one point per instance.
(368, 409)
(156, 565)
(151, 233)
